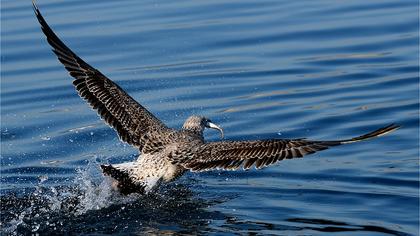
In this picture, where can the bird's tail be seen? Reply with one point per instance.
(125, 182)
(376, 133)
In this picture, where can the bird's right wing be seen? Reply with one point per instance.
(230, 155)
(130, 119)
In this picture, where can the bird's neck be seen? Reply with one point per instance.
(194, 130)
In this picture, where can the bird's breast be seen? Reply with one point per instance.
(159, 166)
(172, 172)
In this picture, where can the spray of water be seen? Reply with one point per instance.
(90, 191)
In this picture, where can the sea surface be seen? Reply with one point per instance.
(260, 69)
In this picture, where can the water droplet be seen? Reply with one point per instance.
(35, 228)
(42, 178)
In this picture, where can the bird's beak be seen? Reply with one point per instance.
(214, 126)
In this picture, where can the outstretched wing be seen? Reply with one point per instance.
(130, 119)
(230, 155)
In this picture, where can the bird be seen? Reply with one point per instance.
(166, 153)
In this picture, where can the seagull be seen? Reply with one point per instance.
(167, 153)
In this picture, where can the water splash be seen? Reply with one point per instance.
(91, 205)
(40, 209)
(96, 189)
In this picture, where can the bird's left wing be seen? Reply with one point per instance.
(130, 119)
(230, 155)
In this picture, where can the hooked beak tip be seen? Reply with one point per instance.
(214, 126)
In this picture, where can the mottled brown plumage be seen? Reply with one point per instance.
(168, 153)
(231, 155)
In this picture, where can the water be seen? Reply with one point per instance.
(260, 69)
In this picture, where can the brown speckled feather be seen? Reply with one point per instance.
(133, 123)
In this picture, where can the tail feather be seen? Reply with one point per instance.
(125, 185)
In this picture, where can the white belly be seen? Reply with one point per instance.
(151, 169)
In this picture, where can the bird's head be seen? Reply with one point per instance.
(197, 124)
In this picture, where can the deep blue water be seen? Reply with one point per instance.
(260, 69)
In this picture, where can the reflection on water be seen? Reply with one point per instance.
(252, 107)
(345, 56)
(321, 225)
(169, 65)
(261, 69)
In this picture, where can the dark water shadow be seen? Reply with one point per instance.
(302, 226)
(329, 226)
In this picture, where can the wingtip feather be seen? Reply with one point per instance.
(377, 133)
